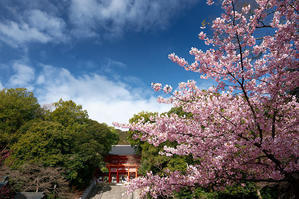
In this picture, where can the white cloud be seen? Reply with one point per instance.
(51, 25)
(37, 26)
(23, 77)
(113, 17)
(14, 33)
(111, 65)
(104, 99)
(50, 21)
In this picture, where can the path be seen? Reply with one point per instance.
(112, 192)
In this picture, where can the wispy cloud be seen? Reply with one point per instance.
(59, 21)
(106, 100)
(13, 33)
(111, 65)
(23, 76)
(50, 25)
(112, 18)
(33, 26)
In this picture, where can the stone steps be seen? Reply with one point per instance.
(107, 191)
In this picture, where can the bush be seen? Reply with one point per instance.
(35, 178)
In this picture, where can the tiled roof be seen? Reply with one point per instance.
(122, 150)
(30, 195)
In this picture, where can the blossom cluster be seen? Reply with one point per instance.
(246, 128)
(156, 86)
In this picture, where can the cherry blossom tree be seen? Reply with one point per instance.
(245, 128)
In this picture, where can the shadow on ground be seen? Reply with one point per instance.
(112, 191)
(99, 189)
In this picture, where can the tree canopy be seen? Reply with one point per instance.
(17, 106)
(63, 138)
(246, 128)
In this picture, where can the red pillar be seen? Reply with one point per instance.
(109, 176)
(136, 175)
(117, 176)
(128, 174)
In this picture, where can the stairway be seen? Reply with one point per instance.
(113, 192)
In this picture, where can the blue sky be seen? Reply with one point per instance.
(103, 54)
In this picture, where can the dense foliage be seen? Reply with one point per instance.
(63, 137)
(123, 137)
(17, 106)
(246, 128)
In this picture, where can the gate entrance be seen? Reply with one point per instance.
(122, 164)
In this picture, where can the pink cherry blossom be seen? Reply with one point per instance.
(167, 89)
(156, 86)
(210, 2)
(248, 123)
(202, 35)
(246, 9)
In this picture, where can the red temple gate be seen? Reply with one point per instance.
(122, 164)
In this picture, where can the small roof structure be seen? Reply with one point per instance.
(122, 150)
(30, 195)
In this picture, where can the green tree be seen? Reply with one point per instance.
(91, 143)
(68, 113)
(43, 142)
(17, 106)
(91, 140)
(67, 139)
